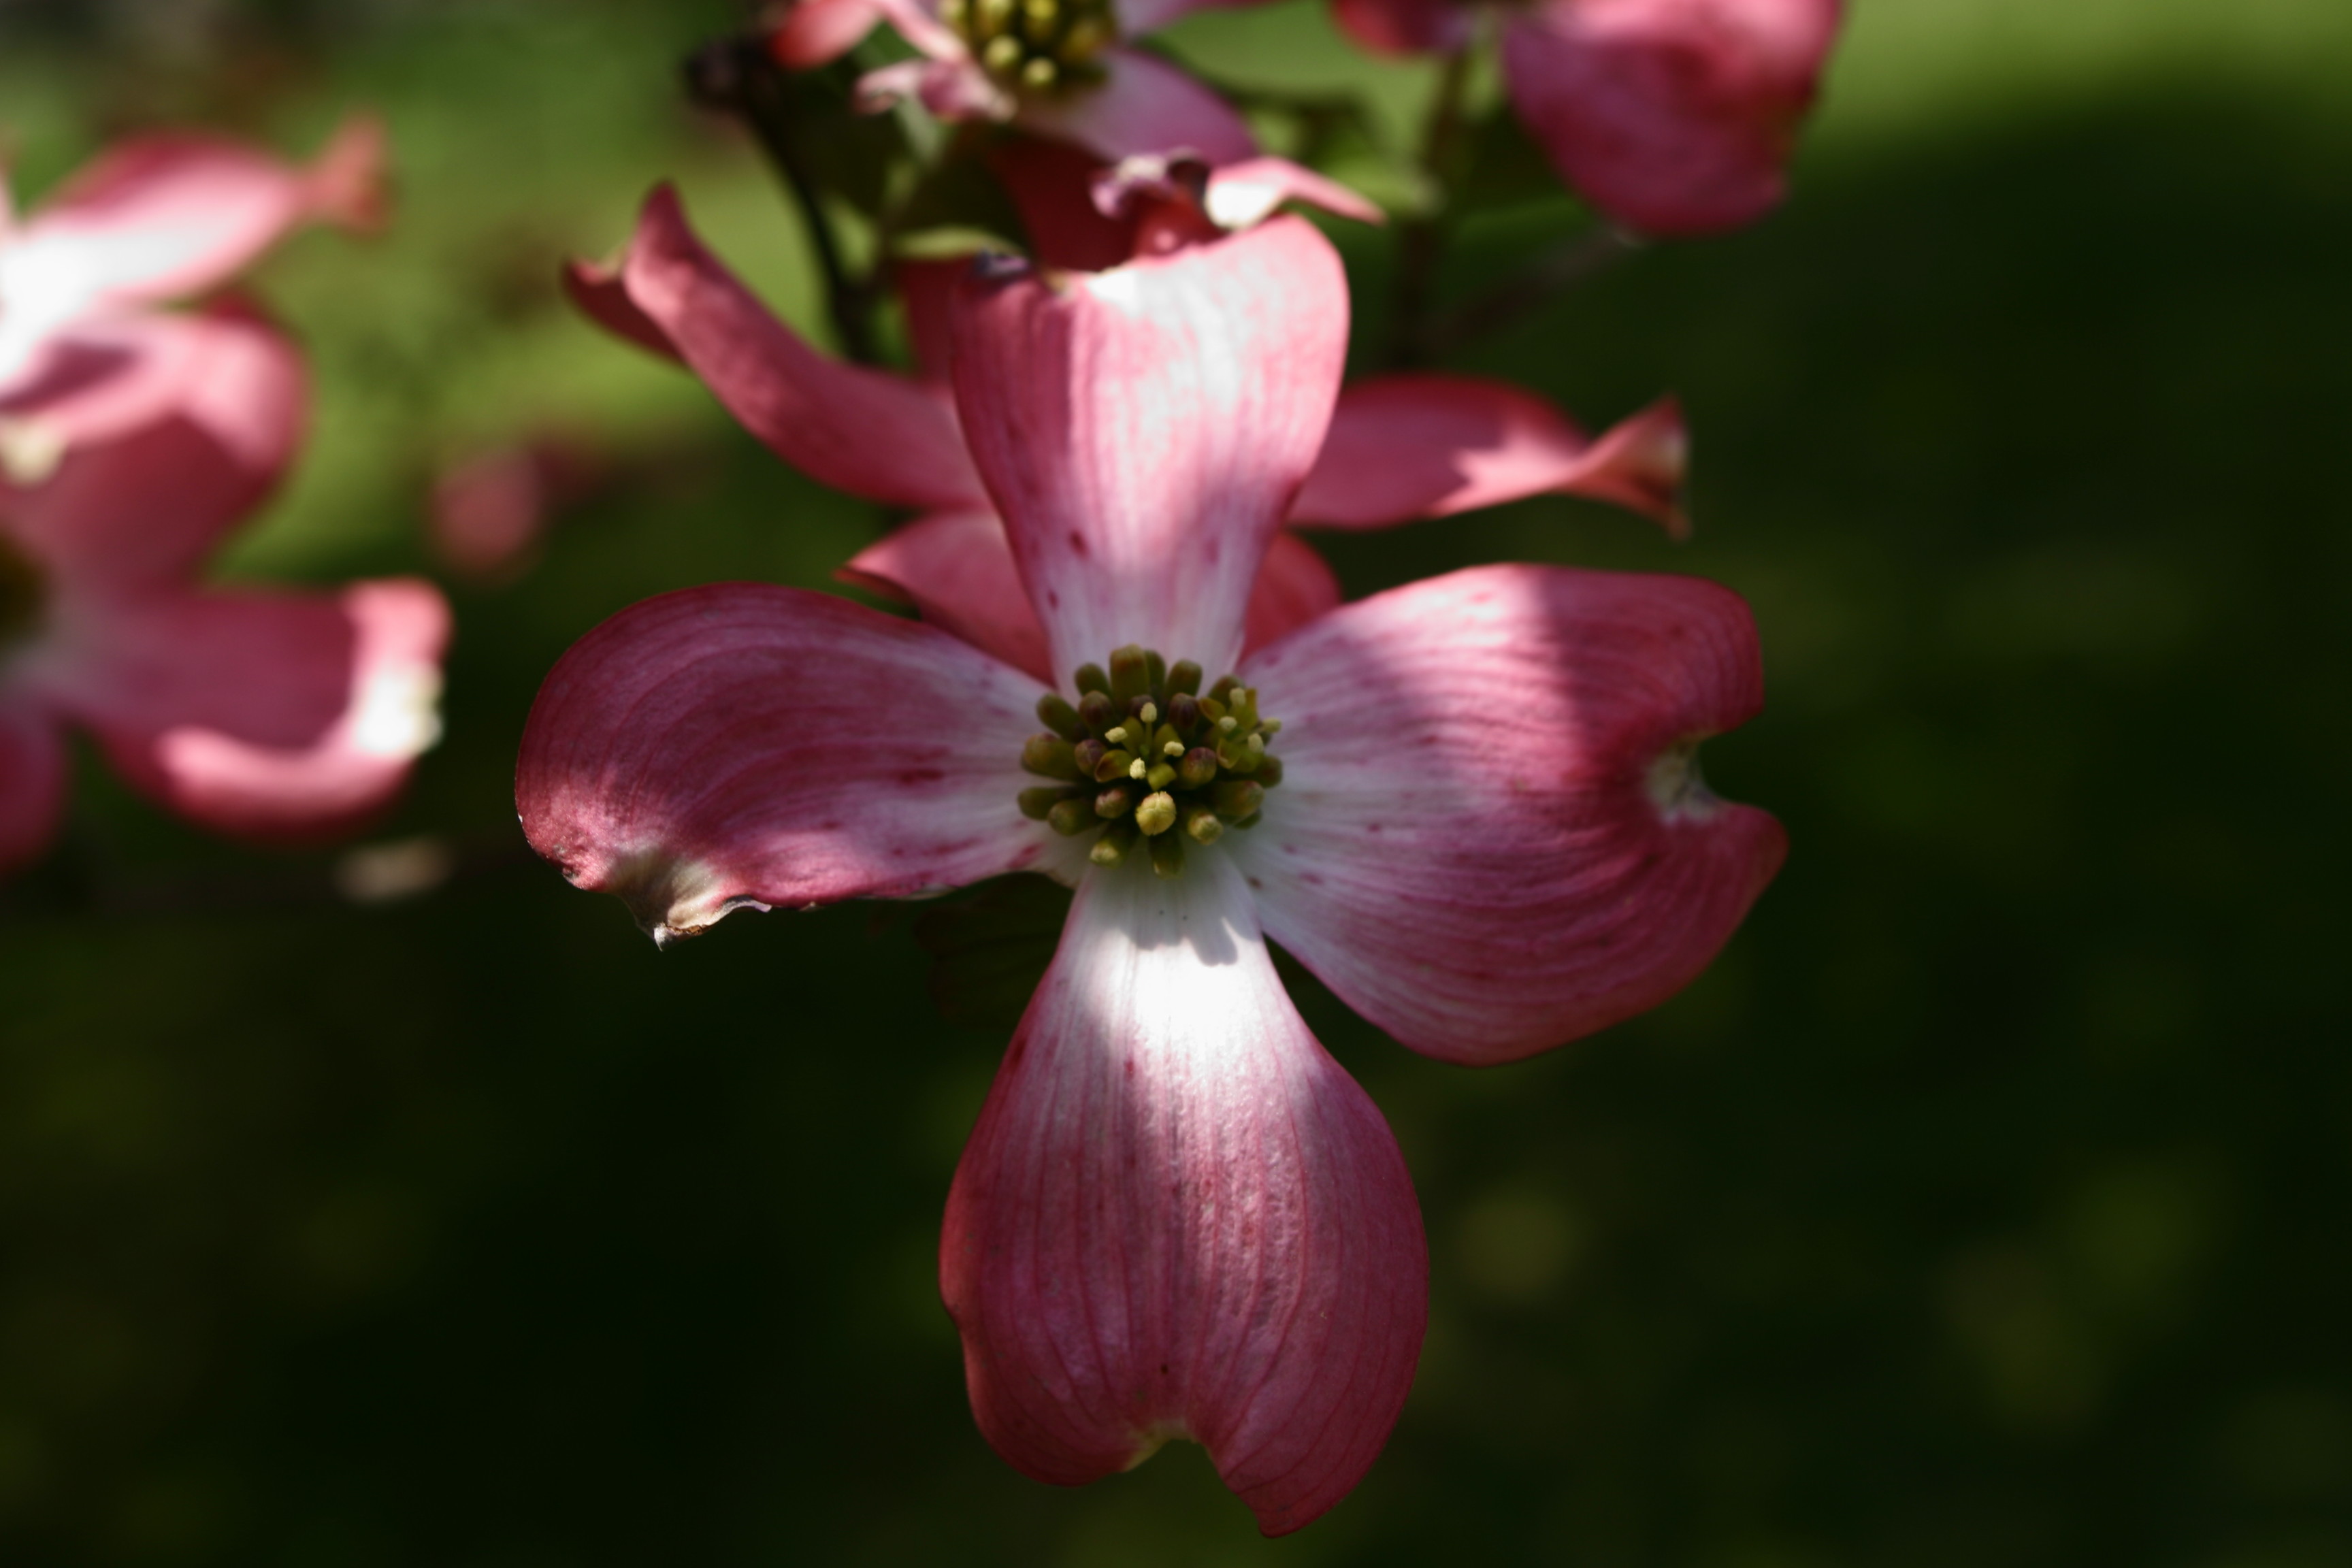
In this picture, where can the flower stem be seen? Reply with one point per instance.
(737, 75)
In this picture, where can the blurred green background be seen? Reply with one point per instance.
(1984, 1205)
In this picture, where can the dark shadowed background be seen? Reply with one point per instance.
(1984, 1205)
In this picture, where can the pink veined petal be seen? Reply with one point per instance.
(32, 781)
(1144, 105)
(745, 746)
(597, 291)
(232, 378)
(157, 217)
(957, 569)
(1416, 446)
(1294, 587)
(1143, 431)
(1672, 116)
(1405, 26)
(146, 507)
(1179, 1217)
(1488, 841)
(267, 715)
(867, 432)
(814, 32)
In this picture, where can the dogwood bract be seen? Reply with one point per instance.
(1468, 804)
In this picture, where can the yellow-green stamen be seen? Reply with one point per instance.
(1145, 756)
(1034, 46)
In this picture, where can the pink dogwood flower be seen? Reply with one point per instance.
(1054, 67)
(1398, 447)
(1672, 117)
(262, 713)
(84, 353)
(1468, 806)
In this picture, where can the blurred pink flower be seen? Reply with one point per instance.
(263, 713)
(1477, 822)
(83, 352)
(1671, 116)
(1399, 447)
(490, 512)
(1056, 67)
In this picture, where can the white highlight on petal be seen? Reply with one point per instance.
(398, 712)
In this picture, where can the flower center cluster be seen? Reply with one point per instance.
(24, 593)
(1146, 758)
(1034, 46)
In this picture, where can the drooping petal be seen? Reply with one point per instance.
(1143, 105)
(957, 569)
(32, 781)
(745, 746)
(814, 32)
(867, 432)
(1143, 431)
(147, 507)
(1407, 446)
(1406, 26)
(268, 715)
(1672, 116)
(1179, 1217)
(228, 378)
(598, 291)
(1488, 838)
(158, 218)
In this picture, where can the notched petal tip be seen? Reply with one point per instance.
(1178, 1218)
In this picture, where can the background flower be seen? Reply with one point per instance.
(83, 352)
(265, 714)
